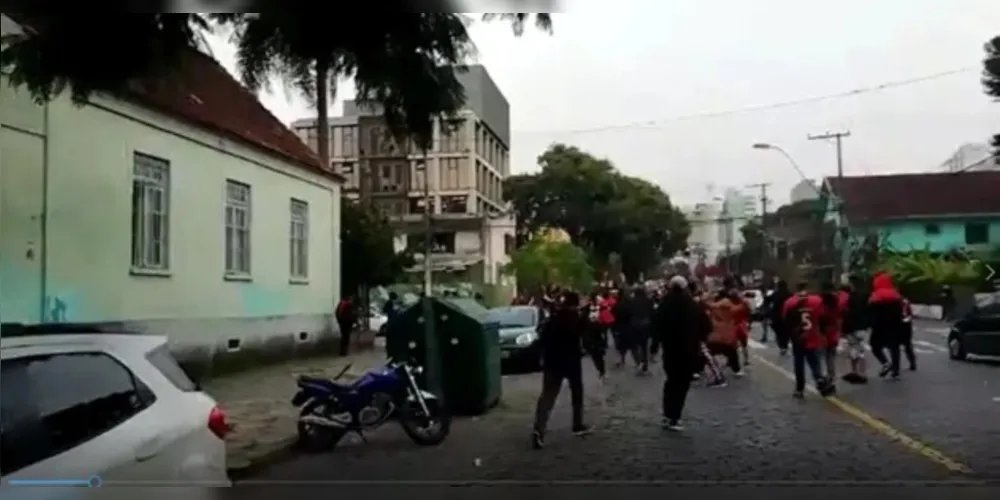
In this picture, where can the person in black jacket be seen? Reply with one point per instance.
(595, 343)
(620, 327)
(854, 323)
(680, 328)
(776, 302)
(561, 345)
(885, 316)
(640, 320)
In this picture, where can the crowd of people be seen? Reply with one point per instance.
(689, 327)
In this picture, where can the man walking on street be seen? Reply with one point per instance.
(595, 343)
(347, 317)
(640, 316)
(680, 326)
(777, 300)
(853, 326)
(802, 314)
(561, 344)
(833, 318)
(886, 311)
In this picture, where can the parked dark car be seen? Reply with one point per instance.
(977, 333)
(519, 345)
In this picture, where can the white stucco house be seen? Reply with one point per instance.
(183, 208)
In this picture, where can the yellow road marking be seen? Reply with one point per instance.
(881, 426)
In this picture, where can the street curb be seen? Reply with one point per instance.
(285, 452)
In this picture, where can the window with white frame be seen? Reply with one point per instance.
(237, 228)
(298, 234)
(348, 142)
(150, 213)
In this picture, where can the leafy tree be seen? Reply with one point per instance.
(403, 62)
(991, 76)
(520, 19)
(366, 251)
(602, 210)
(545, 261)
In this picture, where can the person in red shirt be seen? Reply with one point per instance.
(834, 307)
(886, 313)
(803, 313)
(743, 325)
(347, 317)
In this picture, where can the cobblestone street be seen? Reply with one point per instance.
(751, 431)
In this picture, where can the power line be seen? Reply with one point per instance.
(764, 107)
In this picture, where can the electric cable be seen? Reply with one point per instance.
(880, 87)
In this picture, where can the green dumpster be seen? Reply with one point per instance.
(470, 356)
(407, 339)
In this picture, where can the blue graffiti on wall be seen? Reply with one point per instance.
(56, 310)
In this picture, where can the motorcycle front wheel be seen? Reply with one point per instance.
(314, 437)
(426, 430)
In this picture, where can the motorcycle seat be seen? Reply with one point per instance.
(321, 382)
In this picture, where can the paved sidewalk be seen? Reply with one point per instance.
(258, 403)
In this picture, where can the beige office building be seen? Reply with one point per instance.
(463, 173)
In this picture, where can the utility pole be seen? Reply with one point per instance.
(764, 201)
(838, 141)
(837, 137)
(428, 226)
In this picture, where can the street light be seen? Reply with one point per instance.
(766, 146)
(782, 152)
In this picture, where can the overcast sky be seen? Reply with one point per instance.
(651, 61)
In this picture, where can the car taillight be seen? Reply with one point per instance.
(217, 423)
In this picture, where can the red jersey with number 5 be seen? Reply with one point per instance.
(802, 313)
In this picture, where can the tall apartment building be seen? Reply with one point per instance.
(463, 172)
(716, 225)
(806, 189)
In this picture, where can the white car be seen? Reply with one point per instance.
(105, 409)
(376, 321)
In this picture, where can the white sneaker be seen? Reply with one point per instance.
(739, 373)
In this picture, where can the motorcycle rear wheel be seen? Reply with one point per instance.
(426, 430)
(317, 438)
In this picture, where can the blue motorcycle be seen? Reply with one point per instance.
(329, 410)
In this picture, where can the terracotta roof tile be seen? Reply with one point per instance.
(885, 197)
(203, 93)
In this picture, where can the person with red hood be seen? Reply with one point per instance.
(886, 317)
(803, 314)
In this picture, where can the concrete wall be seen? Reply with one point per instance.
(65, 232)
(486, 100)
(913, 235)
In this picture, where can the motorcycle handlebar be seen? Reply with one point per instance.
(414, 368)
